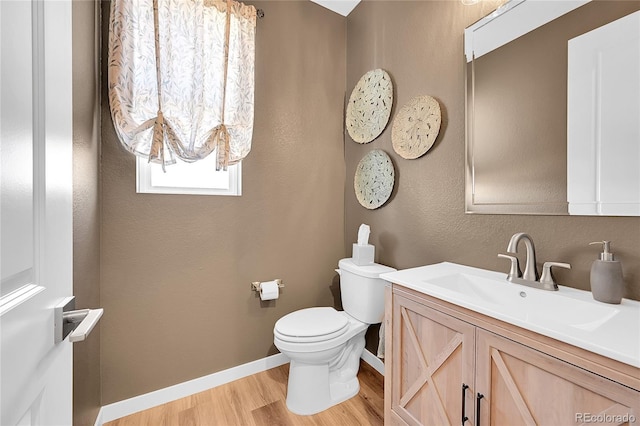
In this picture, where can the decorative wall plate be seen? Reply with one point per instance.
(369, 106)
(374, 179)
(416, 127)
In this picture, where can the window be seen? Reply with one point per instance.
(199, 178)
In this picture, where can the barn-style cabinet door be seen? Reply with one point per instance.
(521, 386)
(432, 368)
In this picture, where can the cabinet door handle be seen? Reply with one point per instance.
(464, 418)
(478, 398)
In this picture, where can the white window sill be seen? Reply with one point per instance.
(199, 178)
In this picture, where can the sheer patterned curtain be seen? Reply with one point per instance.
(181, 78)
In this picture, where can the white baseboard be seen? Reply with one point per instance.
(162, 396)
(99, 419)
(373, 361)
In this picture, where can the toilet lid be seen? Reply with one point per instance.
(316, 323)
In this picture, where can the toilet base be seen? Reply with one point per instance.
(306, 400)
(340, 392)
(313, 388)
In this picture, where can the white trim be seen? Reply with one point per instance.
(99, 419)
(373, 361)
(162, 396)
(523, 16)
(144, 183)
(17, 297)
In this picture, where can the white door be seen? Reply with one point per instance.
(36, 210)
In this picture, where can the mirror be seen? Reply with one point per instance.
(524, 97)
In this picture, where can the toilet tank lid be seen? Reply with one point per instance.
(369, 271)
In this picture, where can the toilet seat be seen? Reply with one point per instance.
(325, 320)
(311, 325)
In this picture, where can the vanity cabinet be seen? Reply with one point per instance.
(446, 363)
(433, 355)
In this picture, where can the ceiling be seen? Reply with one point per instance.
(343, 7)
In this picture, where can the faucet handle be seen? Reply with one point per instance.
(514, 272)
(547, 277)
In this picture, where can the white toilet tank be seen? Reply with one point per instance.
(362, 290)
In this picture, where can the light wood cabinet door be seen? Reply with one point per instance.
(433, 355)
(521, 386)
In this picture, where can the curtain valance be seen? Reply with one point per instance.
(181, 78)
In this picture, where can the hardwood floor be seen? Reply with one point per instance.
(259, 400)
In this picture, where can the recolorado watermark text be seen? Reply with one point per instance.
(605, 418)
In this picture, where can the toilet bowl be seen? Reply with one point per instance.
(325, 345)
(324, 361)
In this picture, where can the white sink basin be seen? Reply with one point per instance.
(519, 301)
(568, 315)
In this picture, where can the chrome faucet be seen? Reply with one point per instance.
(530, 276)
(530, 271)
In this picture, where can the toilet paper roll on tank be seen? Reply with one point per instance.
(363, 252)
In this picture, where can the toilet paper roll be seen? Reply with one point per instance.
(269, 290)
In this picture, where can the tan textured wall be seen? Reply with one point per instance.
(420, 44)
(86, 205)
(176, 270)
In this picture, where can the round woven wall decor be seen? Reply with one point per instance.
(369, 106)
(415, 127)
(374, 179)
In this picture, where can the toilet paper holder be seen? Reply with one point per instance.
(255, 286)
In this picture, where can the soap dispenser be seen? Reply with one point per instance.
(607, 284)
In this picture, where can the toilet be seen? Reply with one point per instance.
(324, 345)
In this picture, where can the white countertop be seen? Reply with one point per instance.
(569, 315)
